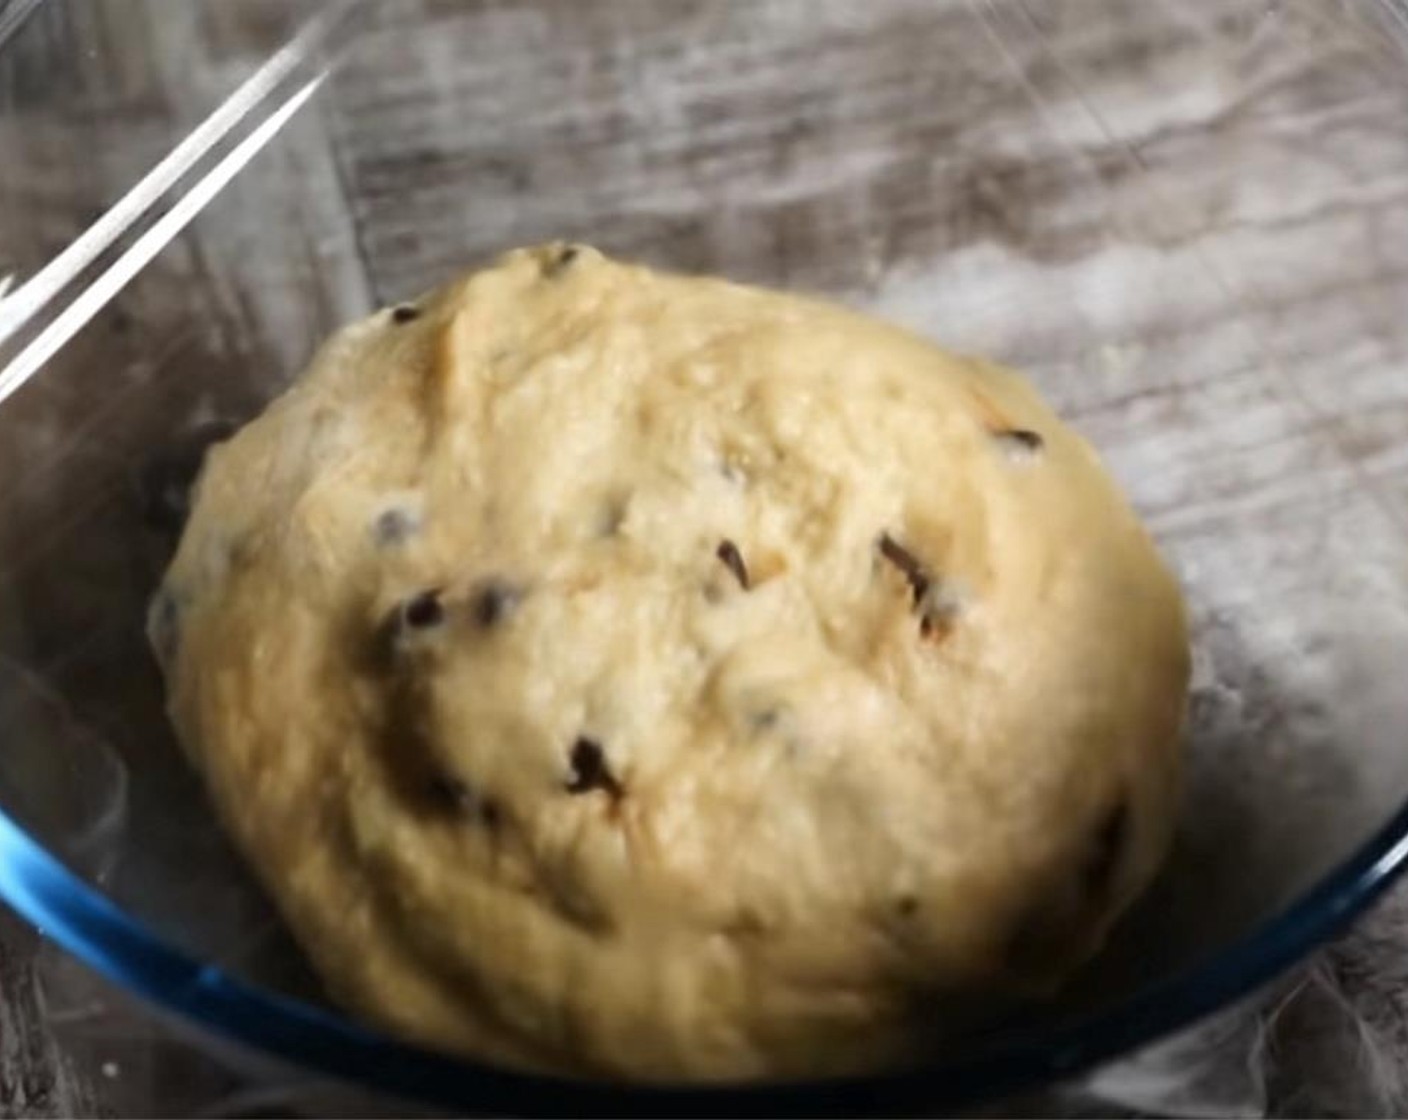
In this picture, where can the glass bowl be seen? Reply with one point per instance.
(1188, 224)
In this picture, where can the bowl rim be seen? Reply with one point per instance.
(125, 950)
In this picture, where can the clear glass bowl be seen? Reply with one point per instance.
(1187, 223)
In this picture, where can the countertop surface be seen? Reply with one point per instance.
(552, 149)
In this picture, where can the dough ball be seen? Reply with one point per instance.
(624, 673)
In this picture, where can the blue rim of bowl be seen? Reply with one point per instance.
(94, 929)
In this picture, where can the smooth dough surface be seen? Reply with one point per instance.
(625, 673)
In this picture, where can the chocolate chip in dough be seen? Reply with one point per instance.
(908, 564)
(559, 264)
(938, 604)
(734, 472)
(421, 611)
(765, 719)
(1020, 443)
(940, 611)
(494, 601)
(590, 770)
(450, 792)
(394, 526)
(733, 559)
(455, 795)
(610, 516)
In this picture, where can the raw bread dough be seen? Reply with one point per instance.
(624, 673)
